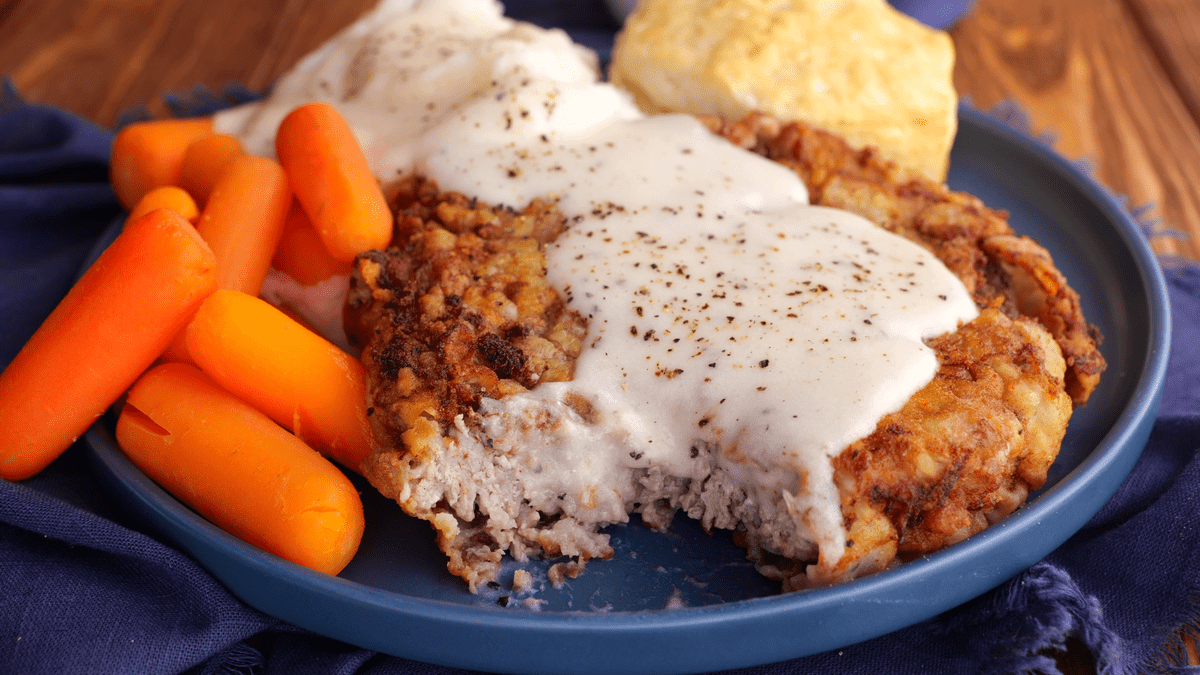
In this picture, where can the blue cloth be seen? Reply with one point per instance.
(937, 13)
(85, 588)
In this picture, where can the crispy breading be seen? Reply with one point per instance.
(461, 311)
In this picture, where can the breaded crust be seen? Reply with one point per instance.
(459, 311)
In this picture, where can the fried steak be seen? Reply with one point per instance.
(458, 313)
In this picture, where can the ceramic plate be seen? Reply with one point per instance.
(685, 601)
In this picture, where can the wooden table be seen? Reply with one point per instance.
(1117, 82)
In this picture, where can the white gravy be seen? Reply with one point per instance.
(722, 307)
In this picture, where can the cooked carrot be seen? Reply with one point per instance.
(204, 161)
(107, 330)
(332, 180)
(302, 255)
(237, 468)
(176, 351)
(243, 221)
(167, 197)
(295, 376)
(147, 155)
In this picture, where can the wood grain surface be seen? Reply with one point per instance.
(100, 57)
(1116, 82)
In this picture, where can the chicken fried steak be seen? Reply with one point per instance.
(458, 315)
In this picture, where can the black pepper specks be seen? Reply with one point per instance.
(500, 355)
(705, 289)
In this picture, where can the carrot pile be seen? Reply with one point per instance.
(247, 407)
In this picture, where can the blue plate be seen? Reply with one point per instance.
(686, 601)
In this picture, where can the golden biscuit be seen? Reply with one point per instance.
(858, 68)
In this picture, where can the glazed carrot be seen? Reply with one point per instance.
(176, 351)
(237, 468)
(167, 197)
(295, 376)
(332, 180)
(243, 221)
(204, 161)
(107, 330)
(302, 255)
(147, 155)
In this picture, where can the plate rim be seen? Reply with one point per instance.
(1111, 460)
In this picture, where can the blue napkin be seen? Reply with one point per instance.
(85, 588)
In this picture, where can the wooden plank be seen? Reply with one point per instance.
(100, 57)
(1172, 28)
(6, 9)
(1085, 71)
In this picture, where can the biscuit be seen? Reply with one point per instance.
(858, 68)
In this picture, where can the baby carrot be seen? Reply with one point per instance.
(298, 378)
(243, 221)
(147, 155)
(237, 468)
(107, 330)
(332, 180)
(176, 351)
(302, 255)
(167, 197)
(204, 161)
